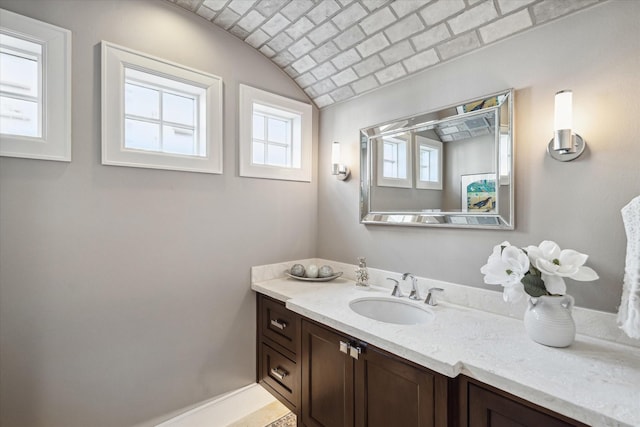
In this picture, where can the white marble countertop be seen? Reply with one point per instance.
(593, 381)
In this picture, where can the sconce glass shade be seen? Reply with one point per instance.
(335, 153)
(563, 118)
(339, 170)
(565, 144)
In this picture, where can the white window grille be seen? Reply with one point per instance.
(163, 115)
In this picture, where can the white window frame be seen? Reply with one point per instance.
(299, 112)
(115, 59)
(384, 181)
(432, 145)
(504, 169)
(54, 142)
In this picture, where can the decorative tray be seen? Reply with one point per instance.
(314, 279)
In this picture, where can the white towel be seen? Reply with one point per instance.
(629, 312)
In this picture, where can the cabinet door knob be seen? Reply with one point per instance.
(279, 373)
(355, 352)
(344, 347)
(280, 324)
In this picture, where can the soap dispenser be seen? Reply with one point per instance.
(362, 274)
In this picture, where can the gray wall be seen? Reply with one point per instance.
(597, 54)
(124, 293)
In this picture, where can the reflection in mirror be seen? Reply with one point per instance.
(429, 163)
(451, 167)
(394, 160)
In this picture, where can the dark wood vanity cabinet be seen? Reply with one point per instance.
(329, 379)
(485, 406)
(347, 383)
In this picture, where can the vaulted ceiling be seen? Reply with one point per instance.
(338, 49)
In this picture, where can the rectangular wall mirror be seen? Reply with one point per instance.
(447, 168)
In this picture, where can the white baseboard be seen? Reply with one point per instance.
(223, 410)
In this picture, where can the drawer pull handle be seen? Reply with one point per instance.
(279, 373)
(280, 324)
(344, 347)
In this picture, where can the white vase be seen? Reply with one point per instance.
(548, 320)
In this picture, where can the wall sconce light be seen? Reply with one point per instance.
(565, 145)
(341, 171)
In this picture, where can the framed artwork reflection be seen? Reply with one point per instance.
(478, 192)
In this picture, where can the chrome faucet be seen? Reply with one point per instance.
(415, 294)
(431, 297)
(396, 288)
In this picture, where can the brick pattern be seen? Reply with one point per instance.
(338, 49)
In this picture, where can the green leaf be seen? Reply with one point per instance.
(534, 285)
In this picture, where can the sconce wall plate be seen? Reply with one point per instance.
(341, 171)
(567, 155)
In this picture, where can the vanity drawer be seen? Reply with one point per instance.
(280, 373)
(279, 324)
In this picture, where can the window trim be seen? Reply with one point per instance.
(55, 140)
(248, 96)
(114, 61)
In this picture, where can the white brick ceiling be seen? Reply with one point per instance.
(338, 49)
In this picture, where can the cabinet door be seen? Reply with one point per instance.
(489, 409)
(327, 379)
(391, 392)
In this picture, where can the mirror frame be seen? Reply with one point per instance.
(450, 219)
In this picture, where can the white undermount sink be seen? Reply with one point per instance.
(391, 310)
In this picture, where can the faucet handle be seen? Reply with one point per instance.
(431, 297)
(396, 288)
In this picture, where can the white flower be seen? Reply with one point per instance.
(554, 284)
(554, 264)
(497, 250)
(506, 267)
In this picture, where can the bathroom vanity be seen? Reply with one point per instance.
(333, 367)
(334, 379)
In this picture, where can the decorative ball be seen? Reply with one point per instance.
(325, 271)
(312, 271)
(297, 270)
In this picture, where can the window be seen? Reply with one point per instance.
(273, 141)
(20, 86)
(394, 154)
(394, 161)
(163, 115)
(35, 117)
(275, 136)
(428, 163)
(158, 114)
